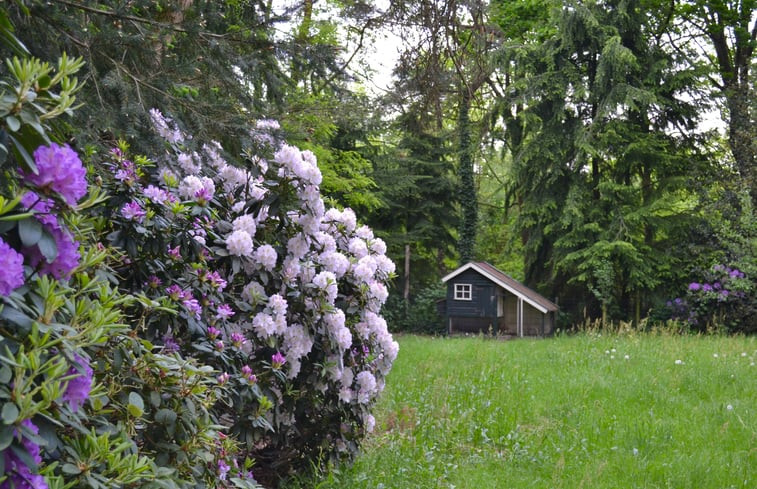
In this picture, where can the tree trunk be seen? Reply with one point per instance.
(467, 189)
(741, 136)
(406, 292)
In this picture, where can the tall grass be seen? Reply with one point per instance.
(591, 411)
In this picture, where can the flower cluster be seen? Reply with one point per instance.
(724, 296)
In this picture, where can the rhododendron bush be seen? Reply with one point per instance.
(184, 321)
(280, 295)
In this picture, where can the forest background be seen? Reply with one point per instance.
(562, 141)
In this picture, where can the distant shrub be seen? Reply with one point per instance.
(724, 297)
(420, 315)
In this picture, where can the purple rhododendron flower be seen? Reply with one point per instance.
(223, 469)
(193, 306)
(278, 359)
(65, 261)
(60, 170)
(11, 269)
(127, 173)
(169, 344)
(133, 212)
(41, 208)
(19, 474)
(694, 286)
(224, 311)
(77, 390)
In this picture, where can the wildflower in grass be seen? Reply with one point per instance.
(729, 407)
(679, 362)
(627, 357)
(78, 388)
(278, 360)
(60, 170)
(11, 269)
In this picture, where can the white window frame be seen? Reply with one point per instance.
(463, 292)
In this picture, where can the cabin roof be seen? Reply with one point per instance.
(508, 283)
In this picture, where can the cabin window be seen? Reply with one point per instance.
(463, 292)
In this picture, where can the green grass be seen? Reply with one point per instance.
(566, 412)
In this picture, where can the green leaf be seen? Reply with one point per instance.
(70, 469)
(30, 231)
(165, 416)
(136, 405)
(23, 156)
(6, 437)
(155, 398)
(5, 374)
(12, 123)
(16, 317)
(9, 413)
(48, 247)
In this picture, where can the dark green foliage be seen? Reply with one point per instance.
(467, 193)
(420, 315)
(599, 181)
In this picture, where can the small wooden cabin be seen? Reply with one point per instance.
(481, 298)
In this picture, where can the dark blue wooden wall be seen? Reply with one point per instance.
(484, 303)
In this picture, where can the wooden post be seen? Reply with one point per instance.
(406, 292)
(520, 316)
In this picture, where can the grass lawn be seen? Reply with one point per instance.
(591, 411)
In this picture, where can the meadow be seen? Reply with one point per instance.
(591, 410)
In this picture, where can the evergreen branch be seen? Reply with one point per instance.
(134, 18)
(143, 20)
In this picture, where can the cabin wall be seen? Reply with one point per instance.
(483, 301)
(480, 314)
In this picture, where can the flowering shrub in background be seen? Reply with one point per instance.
(724, 296)
(279, 295)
